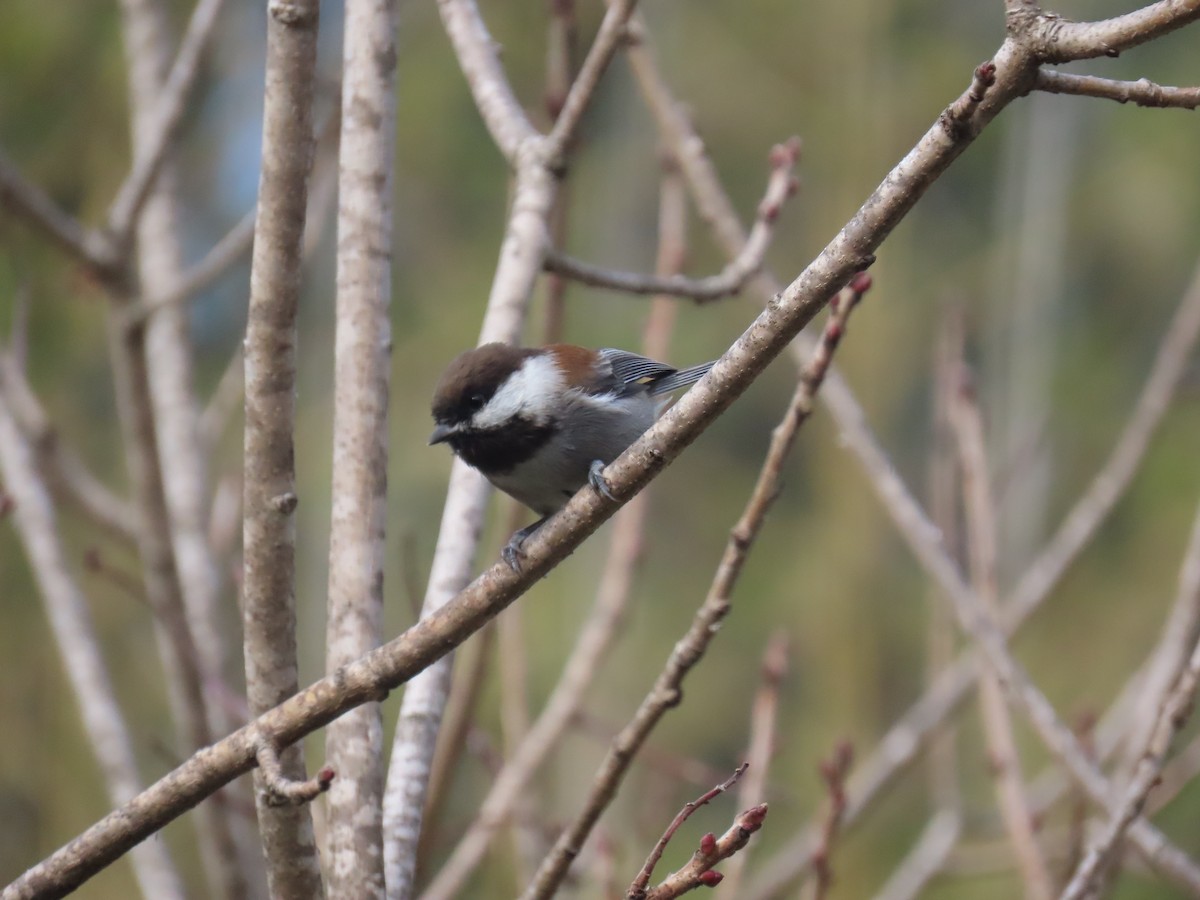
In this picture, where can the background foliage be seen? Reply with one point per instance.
(859, 81)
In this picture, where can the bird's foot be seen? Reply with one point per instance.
(597, 480)
(513, 553)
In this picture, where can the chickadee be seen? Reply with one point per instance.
(541, 422)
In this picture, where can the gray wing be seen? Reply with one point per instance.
(629, 369)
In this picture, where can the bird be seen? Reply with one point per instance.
(541, 422)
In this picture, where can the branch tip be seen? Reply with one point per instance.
(282, 790)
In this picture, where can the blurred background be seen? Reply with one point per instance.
(1067, 235)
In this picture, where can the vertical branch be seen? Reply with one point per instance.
(763, 726)
(184, 674)
(167, 343)
(998, 731)
(522, 252)
(354, 743)
(66, 607)
(600, 629)
(270, 480)
(943, 510)
(149, 203)
(561, 52)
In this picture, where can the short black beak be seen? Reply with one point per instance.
(440, 434)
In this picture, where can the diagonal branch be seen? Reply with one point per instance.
(1058, 40)
(1174, 707)
(736, 273)
(71, 624)
(494, 98)
(25, 199)
(667, 688)
(167, 117)
(608, 39)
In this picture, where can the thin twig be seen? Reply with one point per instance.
(167, 117)
(899, 746)
(763, 724)
(967, 422)
(283, 790)
(1174, 708)
(87, 246)
(781, 185)
(687, 652)
(639, 888)
(231, 249)
(833, 773)
(471, 671)
(608, 39)
(942, 770)
(1143, 92)
(74, 634)
(68, 476)
(909, 879)
(699, 871)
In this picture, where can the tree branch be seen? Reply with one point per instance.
(731, 279)
(357, 539)
(269, 486)
(1143, 92)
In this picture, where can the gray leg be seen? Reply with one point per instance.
(512, 553)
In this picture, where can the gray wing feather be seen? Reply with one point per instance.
(629, 368)
(658, 378)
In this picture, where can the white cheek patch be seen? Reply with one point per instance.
(531, 391)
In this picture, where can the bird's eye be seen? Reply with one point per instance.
(476, 401)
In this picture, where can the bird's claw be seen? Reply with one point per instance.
(597, 480)
(512, 552)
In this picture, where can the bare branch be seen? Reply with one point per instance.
(731, 279)
(161, 398)
(639, 888)
(579, 97)
(925, 859)
(763, 725)
(229, 250)
(833, 772)
(269, 485)
(699, 870)
(1143, 92)
(282, 790)
(494, 98)
(163, 125)
(32, 510)
(998, 729)
(25, 199)
(390, 665)
(1174, 707)
(1058, 40)
(687, 652)
(357, 540)
(69, 477)
(900, 745)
